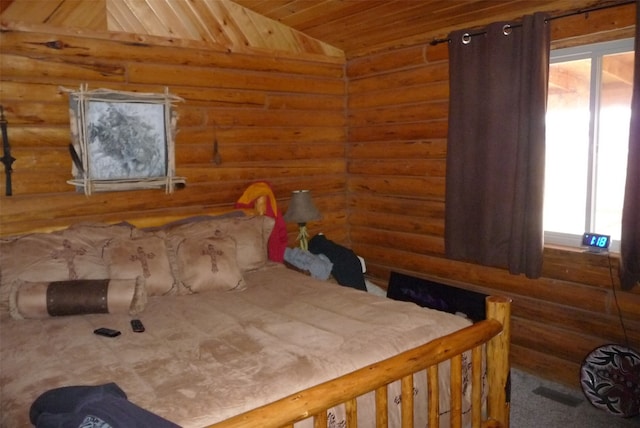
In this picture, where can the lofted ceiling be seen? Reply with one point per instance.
(341, 28)
(359, 27)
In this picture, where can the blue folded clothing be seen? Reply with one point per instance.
(318, 265)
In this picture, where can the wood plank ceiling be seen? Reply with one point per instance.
(341, 28)
(359, 27)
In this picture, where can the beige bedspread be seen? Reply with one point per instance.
(208, 356)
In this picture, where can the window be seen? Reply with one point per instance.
(588, 118)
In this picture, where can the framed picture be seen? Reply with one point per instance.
(122, 140)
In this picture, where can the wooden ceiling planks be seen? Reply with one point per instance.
(442, 20)
(139, 19)
(197, 25)
(57, 13)
(219, 22)
(4, 4)
(36, 11)
(339, 28)
(122, 19)
(361, 27)
(75, 10)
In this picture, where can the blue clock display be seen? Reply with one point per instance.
(596, 241)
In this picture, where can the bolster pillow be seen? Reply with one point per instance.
(77, 297)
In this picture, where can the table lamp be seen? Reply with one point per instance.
(302, 210)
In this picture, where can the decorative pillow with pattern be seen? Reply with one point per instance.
(145, 256)
(77, 297)
(48, 257)
(99, 233)
(208, 264)
(251, 234)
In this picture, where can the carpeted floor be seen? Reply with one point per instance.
(537, 403)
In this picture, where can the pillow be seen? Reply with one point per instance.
(208, 264)
(193, 219)
(48, 257)
(99, 233)
(76, 297)
(251, 234)
(145, 256)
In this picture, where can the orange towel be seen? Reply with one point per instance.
(278, 239)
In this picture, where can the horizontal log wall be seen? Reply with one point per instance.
(276, 118)
(282, 118)
(397, 115)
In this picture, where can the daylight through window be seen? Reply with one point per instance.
(588, 118)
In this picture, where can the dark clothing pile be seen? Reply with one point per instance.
(347, 269)
(101, 406)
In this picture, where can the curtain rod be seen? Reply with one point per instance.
(577, 12)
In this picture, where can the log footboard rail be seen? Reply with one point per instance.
(490, 337)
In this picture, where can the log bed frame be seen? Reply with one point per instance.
(494, 332)
(487, 340)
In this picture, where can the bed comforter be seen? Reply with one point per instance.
(205, 357)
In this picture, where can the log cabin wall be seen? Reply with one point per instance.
(397, 115)
(371, 150)
(277, 118)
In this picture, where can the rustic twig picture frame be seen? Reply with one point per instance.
(122, 140)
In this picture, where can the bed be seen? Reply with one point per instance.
(253, 344)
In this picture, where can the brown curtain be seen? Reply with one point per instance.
(630, 243)
(495, 152)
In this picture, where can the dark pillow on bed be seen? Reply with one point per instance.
(77, 297)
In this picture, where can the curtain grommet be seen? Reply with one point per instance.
(507, 29)
(466, 38)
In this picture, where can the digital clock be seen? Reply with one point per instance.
(596, 242)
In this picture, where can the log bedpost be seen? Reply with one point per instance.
(498, 364)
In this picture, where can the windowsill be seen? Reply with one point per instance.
(571, 242)
(578, 250)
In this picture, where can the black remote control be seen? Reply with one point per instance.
(137, 326)
(108, 332)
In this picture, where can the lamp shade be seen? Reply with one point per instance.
(301, 208)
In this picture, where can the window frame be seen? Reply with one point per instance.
(595, 52)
